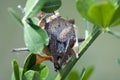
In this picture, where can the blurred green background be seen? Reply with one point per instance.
(102, 54)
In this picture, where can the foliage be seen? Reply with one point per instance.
(103, 16)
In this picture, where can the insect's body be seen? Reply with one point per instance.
(61, 40)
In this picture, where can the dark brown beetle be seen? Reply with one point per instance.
(62, 38)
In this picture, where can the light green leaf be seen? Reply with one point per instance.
(116, 34)
(15, 15)
(74, 75)
(33, 7)
(42, 69)
(83, 7)
(116, 17)
(88, 73)
(29, 62)
(35, 38)
(32, 75)
(16, 70)
(20, 74)
(101, 14)
(114, 2)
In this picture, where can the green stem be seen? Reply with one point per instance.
(84, 46)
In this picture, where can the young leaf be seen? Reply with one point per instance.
(42, 69)
(35, 38)
(88, 73)
(74, 75)
(29, 62)
(32, 75)
(101, 14)
(16, 70)
(116, 34)
(15, 15)
(83, 7)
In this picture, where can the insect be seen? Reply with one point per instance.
(62, 40)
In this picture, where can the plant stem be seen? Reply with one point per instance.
(84, 46)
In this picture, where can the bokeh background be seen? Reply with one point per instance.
(102, 54)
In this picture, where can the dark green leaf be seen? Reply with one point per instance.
(51, 6)
(16, 70)
(33, 7)
(32, 75)
(74, 75)
(88, 73)
(83, 7)
(29, 62)
(42, 69)
(116, 17)
(101, 14)
(116, 34)
(35, 38)
(15, 15)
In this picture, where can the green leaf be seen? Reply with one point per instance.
(51, 6)
(88, 73)
(115, 23)
(29, 62)
(101, 14)
(116, 34)
(83, 7)
(35, 20)
(16, 70)
(33, 7)
(32, 75)
(118, 61)
(116, 17)
(15, 15)
(42, 69)
(114, 2)
(35, 38)
(74, 75)
(82, 74)
(20, 74)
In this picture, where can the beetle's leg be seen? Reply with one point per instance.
(81, 39)
(40, 58)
